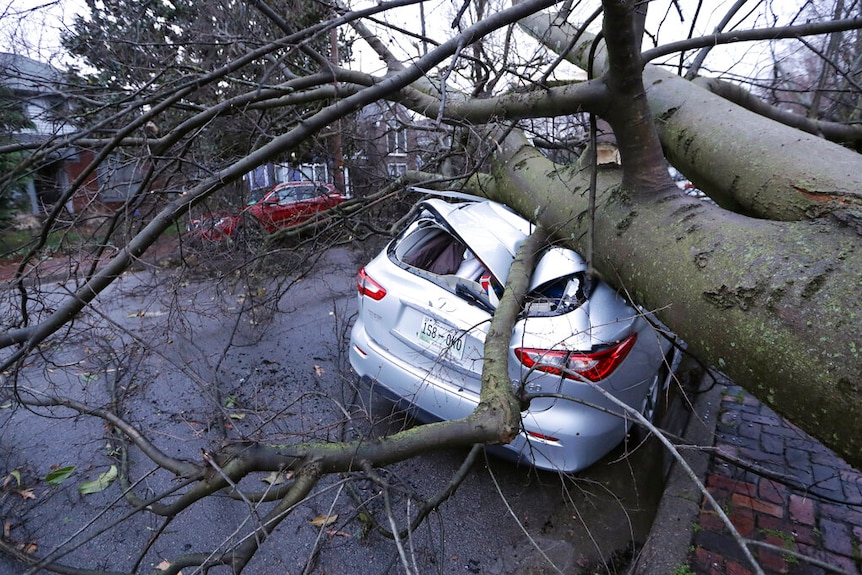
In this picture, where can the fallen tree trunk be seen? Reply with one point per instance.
(772, 304)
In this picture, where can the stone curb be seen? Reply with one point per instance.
(667, 547)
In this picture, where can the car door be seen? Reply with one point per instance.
(312, 198)
(288, 207)
(297, 202)
(280, 208)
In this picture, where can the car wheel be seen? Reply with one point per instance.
(651, 401)
(649, 407)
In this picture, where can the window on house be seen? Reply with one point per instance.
(397, 169)
(305, 172)
(396, 138)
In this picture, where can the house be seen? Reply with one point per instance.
(37, 87)
(383, 144)
(380, 143)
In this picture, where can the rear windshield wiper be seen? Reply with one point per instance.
(473, 297)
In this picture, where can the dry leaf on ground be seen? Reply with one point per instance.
(324, 520)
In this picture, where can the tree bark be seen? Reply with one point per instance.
(772, 304)
(750, 163)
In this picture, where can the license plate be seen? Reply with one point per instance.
(442, 336)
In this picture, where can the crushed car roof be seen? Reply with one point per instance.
(493, 232)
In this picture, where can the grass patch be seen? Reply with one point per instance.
(786, 539)
(16, 243)
(12, 242)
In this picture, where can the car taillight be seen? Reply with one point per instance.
(542, 436)
(369, 287)
(594, 366)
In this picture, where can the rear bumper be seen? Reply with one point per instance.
(571, 436)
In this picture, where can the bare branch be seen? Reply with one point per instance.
(799, 31)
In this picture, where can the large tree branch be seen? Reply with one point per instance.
(723, 282)
(732, 169)
(644, 169)
(538, 103)
(832, 131)
(777, 33)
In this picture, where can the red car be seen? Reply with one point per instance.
(281, 206)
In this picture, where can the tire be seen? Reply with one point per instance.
(651, 407)
(651, 403)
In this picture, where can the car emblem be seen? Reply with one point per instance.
(442, 304)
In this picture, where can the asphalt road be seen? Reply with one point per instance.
(193, 373)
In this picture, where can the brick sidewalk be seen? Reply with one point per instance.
(810, 500)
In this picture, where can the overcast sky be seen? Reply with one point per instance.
(31, 27)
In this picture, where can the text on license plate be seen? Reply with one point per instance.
(442, 336)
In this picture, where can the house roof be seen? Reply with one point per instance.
(23, 74)
(38, 88)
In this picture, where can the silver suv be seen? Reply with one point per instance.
(425, 304)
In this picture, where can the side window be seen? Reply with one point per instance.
(396, 138)
(434, 250)
(287, 195)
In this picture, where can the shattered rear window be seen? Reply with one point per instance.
(428, 247)
(433, 250)
(557, 297)
(446, 261)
